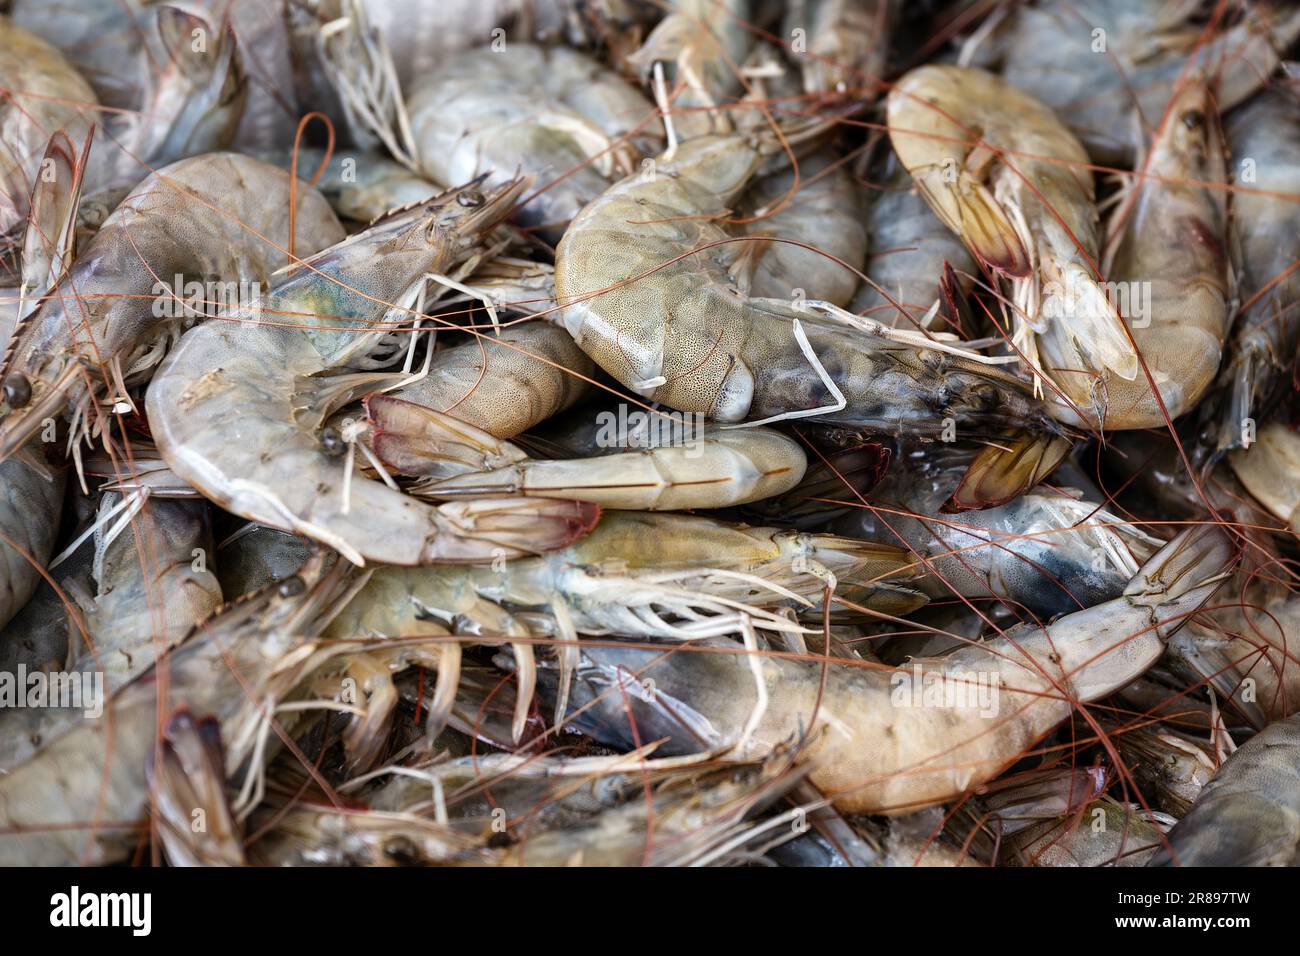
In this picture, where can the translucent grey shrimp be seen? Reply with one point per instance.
(909, 247)
(421, 34)
(31, 499)
(218, 220)
(242, 662)
(553, 113)
(144, 593)
(823, 213)
(239, 407)
(845, 43)
(642, 275)
(1048, 551)
(1249, 813)
(882, 750)
(257, 556)
(192, 101)
(556, 812)
(1264, 136)
(44, 94)
(1050, 49)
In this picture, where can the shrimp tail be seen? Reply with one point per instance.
(50, 241)
(1076, 301)
(1005, 470)
(187, 778)
(413, 439)
(970, 210)
(203, 97)
(486, 530)
(1179, 578)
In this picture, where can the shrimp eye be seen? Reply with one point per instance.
(17, 390)
(291, 587)
(331, 440)
(1193, 119)
(471, 198)
(401, 850)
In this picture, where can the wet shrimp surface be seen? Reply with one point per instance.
(616, 433)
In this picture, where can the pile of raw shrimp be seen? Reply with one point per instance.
(700, 432)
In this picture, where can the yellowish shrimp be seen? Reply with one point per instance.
(702, 468)
(878, 743)
(504, 384)
(1168, 263)
(1268, 469)
(1005, 174)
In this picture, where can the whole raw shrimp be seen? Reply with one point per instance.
(1168, 248)
(551, 112)
(482, 112)
(643, 278)
(1005, 174)
(1249, 813)
(671, 576)
(710, 469)
(885, 747)
(657, 574)
(239, 407)
(219, 219)
(236, 667)
(149, 590)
